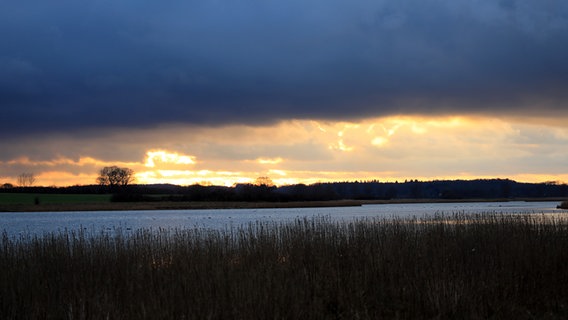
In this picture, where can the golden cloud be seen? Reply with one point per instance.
(308, 151)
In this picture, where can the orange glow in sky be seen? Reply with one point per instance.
(162, 156)
(298, 151)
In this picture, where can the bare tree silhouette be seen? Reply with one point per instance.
(264, 181)
(26, 179)
(114, 176)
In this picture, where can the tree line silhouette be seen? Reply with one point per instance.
(357, 190)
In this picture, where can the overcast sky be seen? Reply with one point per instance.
(86, 71)
(70, 64)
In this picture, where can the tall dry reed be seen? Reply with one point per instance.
(462, 266)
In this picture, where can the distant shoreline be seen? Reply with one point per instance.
(201, 205)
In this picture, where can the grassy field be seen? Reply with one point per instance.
(26, 202)
(467, 267)
(30, 198)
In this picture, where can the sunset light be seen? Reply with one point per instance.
(165, 157)
(386, 149)
(222, 92)
(177, 139)
(269, 161)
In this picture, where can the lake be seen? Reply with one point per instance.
(15, 223)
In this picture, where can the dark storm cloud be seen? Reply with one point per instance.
(66, 65)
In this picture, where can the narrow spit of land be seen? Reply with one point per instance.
(102, 205)
(173, 205)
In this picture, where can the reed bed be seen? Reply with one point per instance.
(458, 266)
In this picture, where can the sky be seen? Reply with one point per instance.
(302, 91)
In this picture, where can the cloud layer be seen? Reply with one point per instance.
(68, 65)
(391, 148)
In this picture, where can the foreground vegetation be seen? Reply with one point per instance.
(469, 267)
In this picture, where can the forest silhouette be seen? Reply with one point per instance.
(357, 190)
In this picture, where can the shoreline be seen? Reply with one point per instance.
(215, 205)
(170, 205)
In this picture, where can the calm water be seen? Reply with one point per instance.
(45, 222)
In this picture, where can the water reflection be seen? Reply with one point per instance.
(108, 221)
